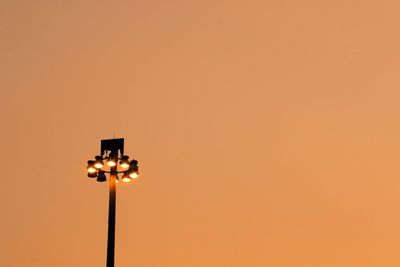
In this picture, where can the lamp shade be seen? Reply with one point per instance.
(98, 164)
(101, 177)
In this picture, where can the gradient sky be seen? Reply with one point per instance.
(267, 132)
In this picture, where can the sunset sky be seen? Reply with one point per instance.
(267, 132)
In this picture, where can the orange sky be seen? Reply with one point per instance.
(267, 132)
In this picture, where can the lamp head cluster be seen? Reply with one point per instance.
(112, 160)
(129, 168)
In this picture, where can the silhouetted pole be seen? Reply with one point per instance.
(111, 215)
(112, 150)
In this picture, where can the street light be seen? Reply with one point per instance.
(101, 176)
(124, 162)
(111, 161)
(112, 150)
(90, 168)
(98, 164)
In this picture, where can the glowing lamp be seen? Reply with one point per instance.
(134, 175)
(126, 178)
(124, 162)
(90, 168)
(133, 171)
(98, 164)
(111, 162)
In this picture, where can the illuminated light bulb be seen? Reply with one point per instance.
(124, 165)
(133, 175)
(98, 164)
(91, 169)
(111, 163)
(124, 162)
(133, 171)
(126, 179)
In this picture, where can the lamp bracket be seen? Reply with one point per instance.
(112, 145)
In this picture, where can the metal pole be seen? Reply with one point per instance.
(111, 214)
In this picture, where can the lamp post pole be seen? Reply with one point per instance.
(112, 150)
(111, 216)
